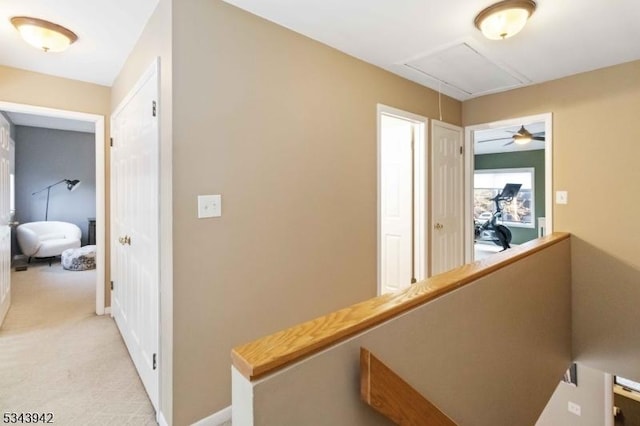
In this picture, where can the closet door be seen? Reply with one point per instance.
(134, 226)
(447, 233)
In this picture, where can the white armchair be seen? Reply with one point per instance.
(47, 239)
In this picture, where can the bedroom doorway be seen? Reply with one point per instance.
(516, 151)
(97, 123)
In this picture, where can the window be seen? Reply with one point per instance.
(627, 384)
(520, 212)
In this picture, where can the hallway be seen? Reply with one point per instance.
(57, 356)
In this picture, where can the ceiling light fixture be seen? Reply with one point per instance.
(43, 34)
(523, 136)
(504, 19)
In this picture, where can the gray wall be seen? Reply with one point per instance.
(45, 156)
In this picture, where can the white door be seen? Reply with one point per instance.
(396, 206)
(447, 230)
(134, 227)
(5, 217)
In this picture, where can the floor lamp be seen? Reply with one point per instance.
(72, 184)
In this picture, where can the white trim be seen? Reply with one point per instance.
(98, 120)
(608, 400)
(107, 310)
(161, 420)
(151, 70)
(469, 169)
(100, 217)
(215, 419)
(421, 183)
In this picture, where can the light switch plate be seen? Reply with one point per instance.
(209, 206)
(562, 197)
(574, 408)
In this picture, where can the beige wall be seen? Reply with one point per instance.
(285, 129)
(32, 88)
(155, 42)
(596, 152)
(589, 395)
(488, 354)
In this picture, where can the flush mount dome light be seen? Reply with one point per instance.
(504, 19)
(43, 34)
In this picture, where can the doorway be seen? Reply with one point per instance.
(98, 122)
(517, 151)
(402, 195)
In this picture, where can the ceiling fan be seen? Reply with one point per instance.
(521, 137)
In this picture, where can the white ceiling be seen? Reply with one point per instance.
(107, 32)
(562, 37)
(417, 39)
(31, 120)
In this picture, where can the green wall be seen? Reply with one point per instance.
(509, 160)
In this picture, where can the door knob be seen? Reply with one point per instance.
(438, 226)
(125, 240)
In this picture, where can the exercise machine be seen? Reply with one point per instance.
(492, 231)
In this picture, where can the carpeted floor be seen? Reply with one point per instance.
(57, 356)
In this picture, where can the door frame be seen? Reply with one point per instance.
(609, 417)
(98, 121)
(469, 170)
(421, 185)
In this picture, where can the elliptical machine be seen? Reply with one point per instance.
(490, 230)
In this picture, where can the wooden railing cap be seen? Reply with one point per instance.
(271, 353)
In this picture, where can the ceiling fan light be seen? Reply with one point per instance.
(43, 34)
(522, 136)
(522, 140)
(504, 19)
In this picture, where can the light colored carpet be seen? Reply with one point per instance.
(483, 250)
(57, 356)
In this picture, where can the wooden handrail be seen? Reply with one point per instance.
(387, 393)
(273, 352)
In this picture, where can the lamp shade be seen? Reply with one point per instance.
(504, 19)
(72, 185)
(43, 34)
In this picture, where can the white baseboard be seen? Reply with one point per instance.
(107, 310)
(161, 420)
(215, 419)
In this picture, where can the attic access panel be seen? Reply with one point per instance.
(463, 68)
